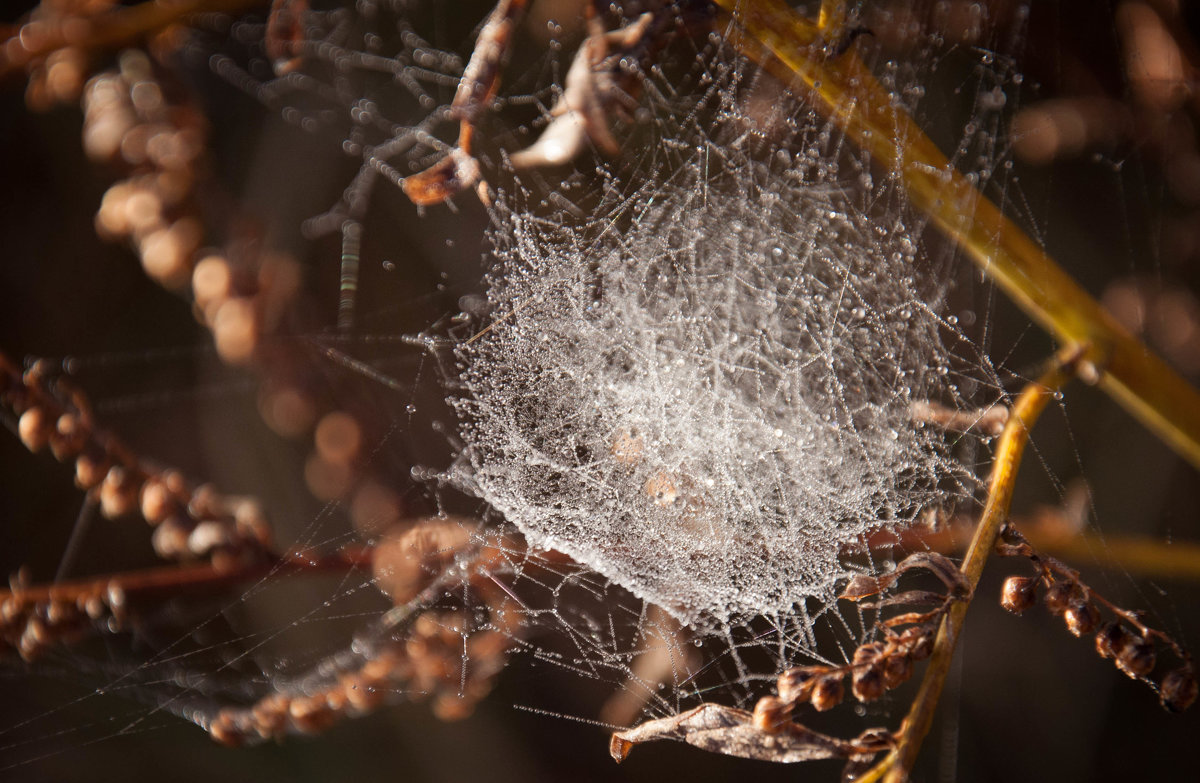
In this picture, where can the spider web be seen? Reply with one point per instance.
(691, 369)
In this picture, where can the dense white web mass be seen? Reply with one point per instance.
(707, 400)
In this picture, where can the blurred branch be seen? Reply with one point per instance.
(108, 29)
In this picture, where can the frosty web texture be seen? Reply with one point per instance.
(707, 404)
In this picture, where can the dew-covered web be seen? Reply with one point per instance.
(683, 399)
(706, 393)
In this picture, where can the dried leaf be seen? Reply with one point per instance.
(730, 731)
(448, 177)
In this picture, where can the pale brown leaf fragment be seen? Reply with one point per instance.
(730, 731)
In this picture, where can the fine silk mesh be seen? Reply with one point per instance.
(708, 401)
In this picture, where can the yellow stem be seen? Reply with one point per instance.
(1010, 447)
(793, 48)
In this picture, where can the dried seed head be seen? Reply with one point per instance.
(1137, 658)
(867, 653)
(155, 500)
(225, 731)
(270, 715)
(451, 707)
(311, 715)
(1081, 617)
(11, 609)
(60, 613)
(118, 492)
(662, 488)
(90, 470)
(920, 646)
(69, 437)
(770, 713)
(1178, 690)
(406, 563)
(209, 535)
(34, 429)
(170, 538)
(867, 684)
(828, 692)
(1019, 593)
(896, 670)
(796, 685)
(1059, 595)
(1111, 639)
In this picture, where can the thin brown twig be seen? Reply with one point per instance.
(173, 580)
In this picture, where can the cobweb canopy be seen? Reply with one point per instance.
(705, 396)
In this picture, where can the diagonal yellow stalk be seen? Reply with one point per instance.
(794, 48)
(1010, 447)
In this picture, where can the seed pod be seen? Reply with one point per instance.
(1111, 640)
(34, 429)
(1137, 658)
(1019, 593)
(224, 730)
(270, 715)
(360, 693)
(896, 670)
(920, 646)
(1081, 617)
(170, 538)
(155, 500)
(867, 683)
(1178, 690)
(1059, 595)
(90, 470)
(118, 492)
(311, 715)
(770, 713)
(867, 653)
(796, 685)
(68, 437)
(828, 692)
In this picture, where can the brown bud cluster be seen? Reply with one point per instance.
(134, 118)
(32, 626)
(429, 663)
(190, 522)
(876, 668)
(1133, 651)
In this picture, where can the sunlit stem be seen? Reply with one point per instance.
(794, 49)
(1010, 447)
(832, 18)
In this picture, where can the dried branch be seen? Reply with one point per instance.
(733, 732)
(1067, 595)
